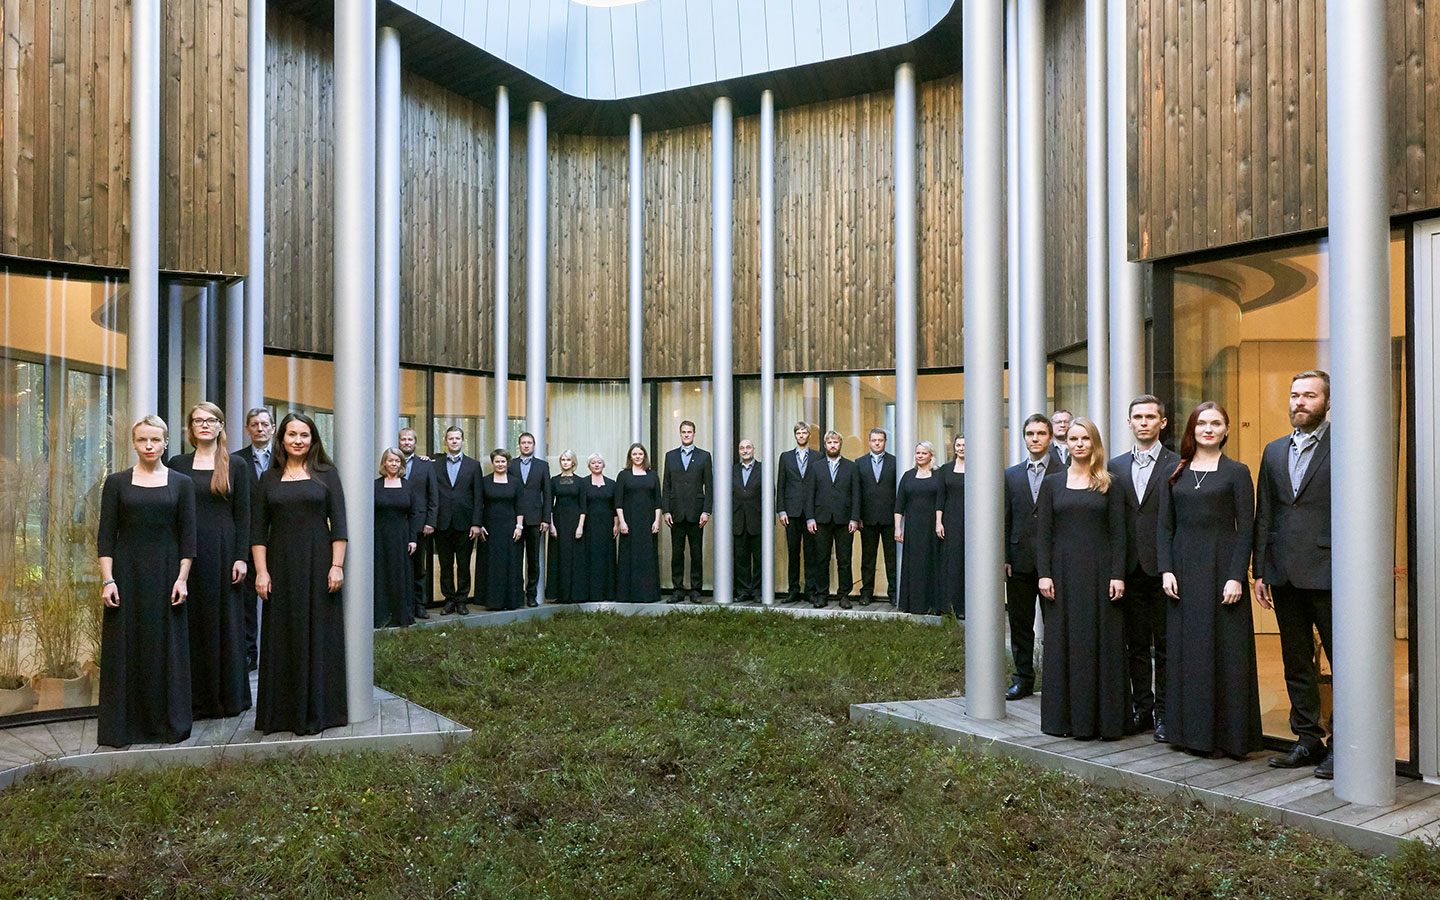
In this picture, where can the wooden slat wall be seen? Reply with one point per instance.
(941, 312)
(64, 135)
(1064, 174)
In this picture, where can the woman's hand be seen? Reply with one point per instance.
(1262, 594)
(335, 580)
(1171, 586)
(411, 547)
(520, 532)
(1047, 588)
(110, 595)
(262, 584)
(655, 529)
(622, 528)
(1117, 589)
(238, 571)
(179, 592)
(484, 533)
(940, 531)
(1231, 593)
(553, 532)
(899, 536)
(579, 532)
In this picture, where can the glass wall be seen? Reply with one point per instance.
(1243, 326)
(588, 417)
(675, 402)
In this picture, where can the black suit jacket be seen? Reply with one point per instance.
(1142, 513)
(426, 485)
(459, 506)
(1056, 460)
(247, 455)
(792, 493)
(1292, 530)
(877, 498)
(745, 508)
(533, 501)
(837, 501)
(1022, 517)
(685, 493)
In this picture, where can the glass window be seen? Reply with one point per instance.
(797, 399)
(588, 417)
(462, 400)
(414, 405)
(1070, 382)
(679, 401)
(303, 385)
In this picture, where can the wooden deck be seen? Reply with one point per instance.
(1288, 796)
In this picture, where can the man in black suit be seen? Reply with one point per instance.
(1022, 581)
(420, 475)
(1292, 560)
(1060, 421)
(745, 512)
(792, 499)
(533, 503)
(834, 517)
(260, 428)
(876, 473)
(457, 519)
(685, 498)
(1141, 473)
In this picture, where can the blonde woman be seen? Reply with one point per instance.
(918, 505)
(219, 676)
(399, 516)
(1080, 558)
(567, 525)
(597, 546)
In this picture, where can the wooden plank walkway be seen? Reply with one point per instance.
(398, 723)
(1249, 787)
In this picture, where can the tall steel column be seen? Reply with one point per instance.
(143, 334)
(1017, 412)
(174, 359)
(905, 266)
(1030, 102)
(1097, 221)
(1362, 459)
(355, 335)
(387, 239)
(501, 411)
(204, 334)
(536, 270)
(234, 398)
(1127, 302)
(637, 297)
(254, 345)
(722, 224)
(768, 458)
(983, 136)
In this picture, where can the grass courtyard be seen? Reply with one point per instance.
(698, 755)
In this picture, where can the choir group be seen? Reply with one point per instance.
(1140, 564)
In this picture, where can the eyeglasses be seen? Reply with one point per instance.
(208, 422)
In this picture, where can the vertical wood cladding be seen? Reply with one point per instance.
(64, 133)
(1065, 231)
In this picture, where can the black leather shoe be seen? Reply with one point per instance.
(1160, 737)
(1016, 692)
(420, 613)
(1299, 755)
(676, 597)
(795, 598)
(1326, 769)
(532, 602)
(1132, 726)
(820, 602)
(866, 599)
(1145, 722)
(696, 598)
(461, 609)
(448, 608)
(845, 603)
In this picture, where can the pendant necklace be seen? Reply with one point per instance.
(1199, 478)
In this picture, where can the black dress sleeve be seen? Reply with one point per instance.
(1165, 526)
(110, 514)
(185, 516)
(334, 503)
(620, 479)
(1044, 532)
(260, 511)
(240, 483)
(1116, 512)
(1244, 495)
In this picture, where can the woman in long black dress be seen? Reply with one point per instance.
(567, 526)
(500, 533)
(399, 516)
(597, 543)
(299, 550)
(951, 579)
(1207, 510)
(219, 677)
(1080, 557)
(637, 504)
(147, 545)
(917, 527)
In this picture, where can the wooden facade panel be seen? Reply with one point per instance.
(1065, 174)
(941, 285)
(676, 230)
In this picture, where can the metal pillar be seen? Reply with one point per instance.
(1097, 222)
(501, 413)
(235, 365)
(143, 333)
(354, 334)
(1127, 302)
(1030, 110)
(768, 457)
(984, 280)
(1017, 411)
(174, 362)
(204, 306)
(1362, 564)
(637, 298)
(905, 266)
(722, 223)
(254, 343)
(536, 271)
(387, 239)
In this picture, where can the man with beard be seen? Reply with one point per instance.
(834, 516)
(1292, 560)
(419, 473)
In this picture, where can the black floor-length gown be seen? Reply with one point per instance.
(637, 572)
(917, 499)
(951, 580)
(219, 677)
(1212, 695)
(398, 518)
(502, 579)
(1081, 545)
(565, 571)
(597, 547)
(302, 629)
(145, 642)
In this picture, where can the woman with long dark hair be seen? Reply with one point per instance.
(1080, 557)
(1207, 511)
(502, 555)
(951, 577)
(637, 504)
(399, 516)
(299, 548)
(219, 676)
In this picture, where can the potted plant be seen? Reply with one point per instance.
(57, 623)
(16, 696)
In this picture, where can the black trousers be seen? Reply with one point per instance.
(801, 546)
(534, 539)
(828, 534)
(1300, 613)
(252, 616)
(1021, 591)
(872, 536)
(420, 568)
(747, 567)
(682, 535)
(453, 547)
(1145, 606)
